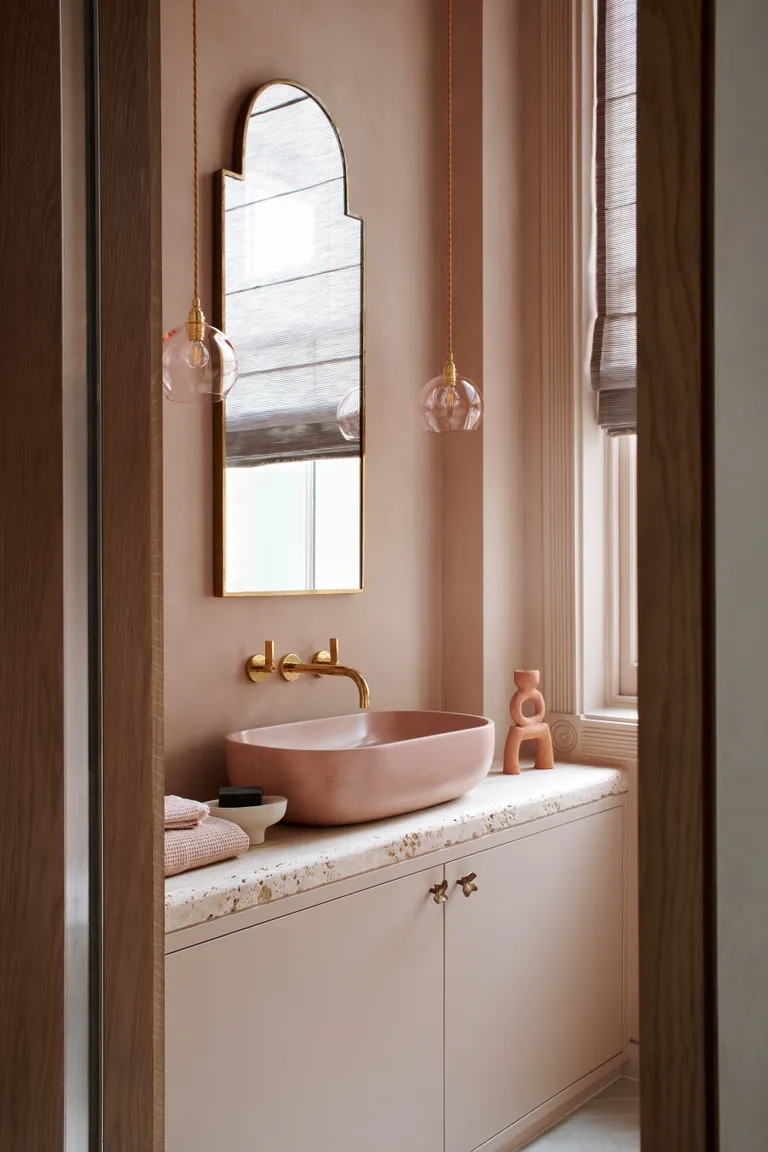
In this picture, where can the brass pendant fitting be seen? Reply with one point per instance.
(195, 321)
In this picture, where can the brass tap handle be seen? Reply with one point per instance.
(467, 884)
(439, 892)
(258, 667)
(325, 657)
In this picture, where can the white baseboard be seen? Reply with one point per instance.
(538, 1121)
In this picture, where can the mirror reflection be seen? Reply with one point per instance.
(289, 438)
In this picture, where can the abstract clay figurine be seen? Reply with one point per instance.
(528, 727)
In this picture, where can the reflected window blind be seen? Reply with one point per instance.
(614, 345)
(293, 280)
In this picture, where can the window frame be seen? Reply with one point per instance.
(621, 572)
(591, 720)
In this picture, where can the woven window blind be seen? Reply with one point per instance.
(613, 364)
(293, 277)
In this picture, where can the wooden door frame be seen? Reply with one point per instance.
(32, 896)
(127, 57)
(676, 793)
(121, 81)
(676, 577)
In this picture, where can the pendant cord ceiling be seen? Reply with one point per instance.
(450, 181)
(448, 403)
(196, 160)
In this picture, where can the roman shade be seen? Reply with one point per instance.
(613, 365)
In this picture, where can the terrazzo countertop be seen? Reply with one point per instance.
(297, 859)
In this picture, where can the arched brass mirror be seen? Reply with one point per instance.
(289, 440)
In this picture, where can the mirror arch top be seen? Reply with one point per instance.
(284, 93)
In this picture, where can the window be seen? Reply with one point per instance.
(613, 362)
(621, 571)
(587, 228)
(321, 498)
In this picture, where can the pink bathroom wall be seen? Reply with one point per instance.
(373, 66)
(462, 456)
(509, 284)
(489, 534)
(444, 619)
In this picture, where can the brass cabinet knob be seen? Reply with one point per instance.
(439, 892)
(467, 884)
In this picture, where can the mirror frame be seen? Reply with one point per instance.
(237, 172)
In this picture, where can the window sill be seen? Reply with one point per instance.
(626, 714)
(605, 734)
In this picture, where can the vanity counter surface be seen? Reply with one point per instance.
(297, 859)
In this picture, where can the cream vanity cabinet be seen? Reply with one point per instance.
(534, 985)
(386, 1022)
(320, 1031)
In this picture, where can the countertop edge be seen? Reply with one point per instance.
(297, 860)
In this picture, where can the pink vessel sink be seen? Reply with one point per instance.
(348, 769)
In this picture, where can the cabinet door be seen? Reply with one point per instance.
(322, 1030)
(533, 973)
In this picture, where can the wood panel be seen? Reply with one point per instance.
(129, 69)
(675, 578)
(31, 582)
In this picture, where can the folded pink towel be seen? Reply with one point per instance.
(181, 813)
(210, 841)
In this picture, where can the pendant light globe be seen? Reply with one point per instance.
(199, 362)
(449, 403)
(348, 415)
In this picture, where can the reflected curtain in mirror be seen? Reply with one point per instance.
(289, 440)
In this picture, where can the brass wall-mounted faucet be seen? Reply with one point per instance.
(325, 664)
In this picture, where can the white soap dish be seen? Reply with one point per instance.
(253, 820)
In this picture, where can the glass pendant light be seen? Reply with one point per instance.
(449, 403)
(348, 415)
(199, 362)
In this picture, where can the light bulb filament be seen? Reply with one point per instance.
(199, 356)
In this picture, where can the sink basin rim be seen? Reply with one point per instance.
(246, 736)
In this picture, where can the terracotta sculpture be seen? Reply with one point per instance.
(528, 727)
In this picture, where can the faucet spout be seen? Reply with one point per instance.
(359, 681)
(326, 664)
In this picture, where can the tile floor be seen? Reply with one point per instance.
(609, 1122)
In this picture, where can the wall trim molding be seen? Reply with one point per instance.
(560, 474)
(517, 1137)
(591, 739)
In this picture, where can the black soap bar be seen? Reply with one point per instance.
(240, 796)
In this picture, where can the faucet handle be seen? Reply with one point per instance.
(258, 667)
(324, 657)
